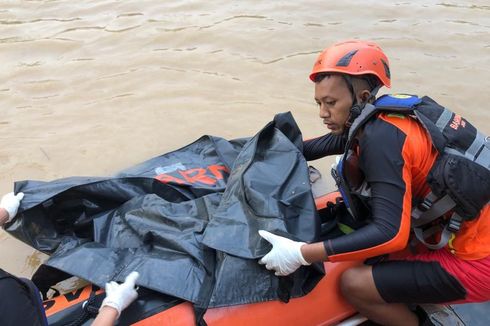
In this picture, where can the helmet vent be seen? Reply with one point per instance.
(345, 60)
(387, 69)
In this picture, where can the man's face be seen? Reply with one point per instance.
(334, 100)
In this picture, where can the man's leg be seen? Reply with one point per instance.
(358, 287)
(377, 291)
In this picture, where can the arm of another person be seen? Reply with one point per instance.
(4, 216)
(118, 297)
(107, 316)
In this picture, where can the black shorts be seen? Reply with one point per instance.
(401, 281)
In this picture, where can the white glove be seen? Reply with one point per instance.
(10, 203)
(285, 256)
(119, 296)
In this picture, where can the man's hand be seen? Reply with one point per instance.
(285, 256)
(10, 203)
(119, 296)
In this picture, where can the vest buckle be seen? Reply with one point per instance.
(426, 204)
(455, 223)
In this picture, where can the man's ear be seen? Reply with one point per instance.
(364, 96)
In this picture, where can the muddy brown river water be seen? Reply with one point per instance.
(89, 88)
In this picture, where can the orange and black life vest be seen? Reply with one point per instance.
(459, 179)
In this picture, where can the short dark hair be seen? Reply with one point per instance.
(321, 76)
(372, 80)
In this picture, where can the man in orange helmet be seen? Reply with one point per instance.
(395, 154)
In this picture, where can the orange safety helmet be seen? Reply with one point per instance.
(354, 57)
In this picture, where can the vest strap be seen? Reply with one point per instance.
(431, 208)
(446, 234)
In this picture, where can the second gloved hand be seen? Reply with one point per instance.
(285, 256)
(10, 203)
(119, 296)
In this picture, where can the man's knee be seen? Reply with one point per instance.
(351, 281)
(357, 283)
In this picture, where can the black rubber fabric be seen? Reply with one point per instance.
(183, 215)
(416, 282)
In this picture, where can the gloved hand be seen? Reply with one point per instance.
(119, 296)
(285, 256)
(10, 203)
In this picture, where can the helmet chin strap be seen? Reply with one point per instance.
(355, 111)
(357, 107)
